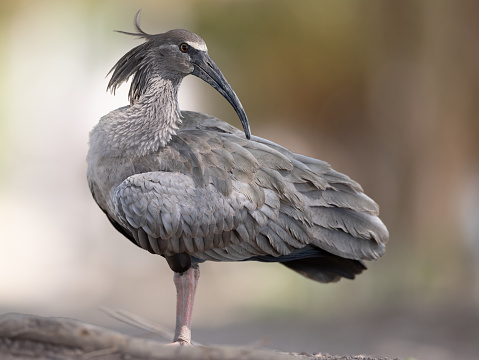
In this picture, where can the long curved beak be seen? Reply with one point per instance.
(206, 69)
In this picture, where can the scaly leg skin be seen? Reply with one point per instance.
(185, 294)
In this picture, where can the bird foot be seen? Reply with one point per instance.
(180, 343)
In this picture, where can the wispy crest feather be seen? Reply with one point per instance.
(140, 33)
(132, 64)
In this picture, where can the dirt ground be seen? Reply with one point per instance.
(448, 331)
(431, 333)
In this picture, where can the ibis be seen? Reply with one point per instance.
(192, 188)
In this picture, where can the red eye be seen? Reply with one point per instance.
(184, 47)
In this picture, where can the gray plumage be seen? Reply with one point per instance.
(215, 195)
(191, 187)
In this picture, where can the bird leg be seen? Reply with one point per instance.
(185, 294)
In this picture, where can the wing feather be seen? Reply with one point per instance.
(218, 196)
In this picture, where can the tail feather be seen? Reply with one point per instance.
(326, 268)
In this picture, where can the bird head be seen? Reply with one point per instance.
(171, 55)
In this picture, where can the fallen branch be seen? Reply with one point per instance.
(26, 337)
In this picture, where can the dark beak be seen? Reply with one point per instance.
(207, 70)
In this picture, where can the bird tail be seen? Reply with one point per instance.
(329, 268)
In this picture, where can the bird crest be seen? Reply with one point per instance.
(132, 64)
(140, 33)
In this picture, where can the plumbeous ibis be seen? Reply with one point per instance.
(192, 188)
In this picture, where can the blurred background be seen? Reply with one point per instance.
(386, 92)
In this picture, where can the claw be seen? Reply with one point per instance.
(180, 343)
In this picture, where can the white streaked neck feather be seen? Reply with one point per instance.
(157, 112)
(144, 127)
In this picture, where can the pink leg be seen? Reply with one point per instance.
(185, 294)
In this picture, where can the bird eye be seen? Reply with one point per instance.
(184, 47)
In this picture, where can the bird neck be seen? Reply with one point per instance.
(154, 118)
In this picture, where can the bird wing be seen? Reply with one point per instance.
(218, 196)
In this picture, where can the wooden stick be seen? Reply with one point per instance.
(27, 337)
